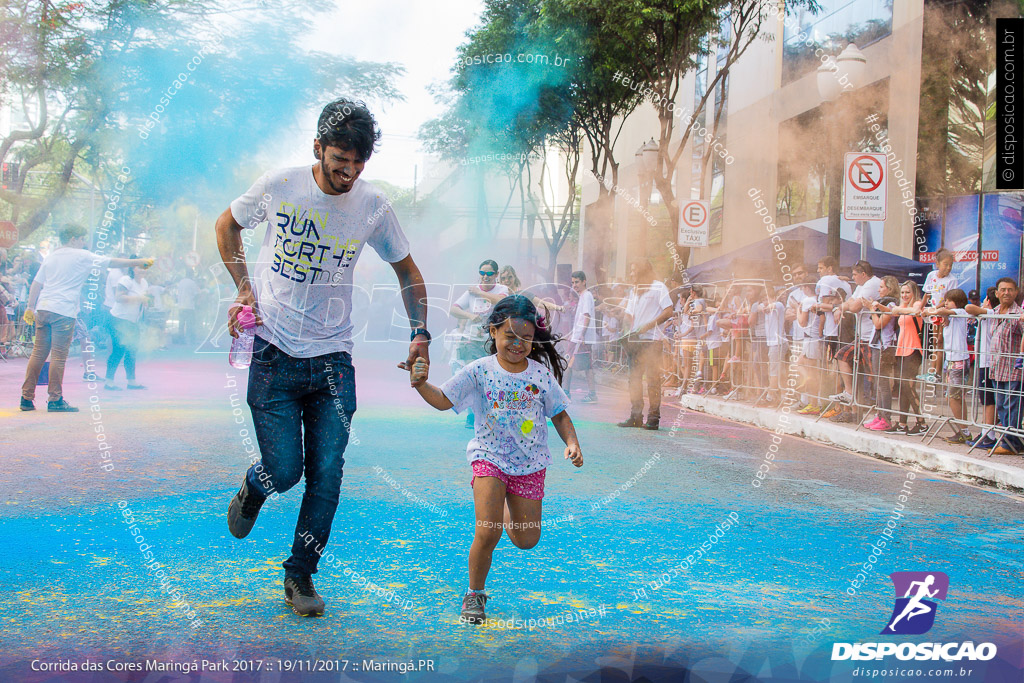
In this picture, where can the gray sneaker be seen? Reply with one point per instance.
(473, 608)
(243, 510)
(302, 597)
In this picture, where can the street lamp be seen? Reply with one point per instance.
(846, 74)
(646, 165)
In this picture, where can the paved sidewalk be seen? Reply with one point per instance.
(1006, 472)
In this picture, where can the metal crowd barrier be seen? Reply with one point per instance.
(910, 399)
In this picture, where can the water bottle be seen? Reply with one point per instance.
(240, 354)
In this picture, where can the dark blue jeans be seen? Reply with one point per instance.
(302, 411)
(1008, 411)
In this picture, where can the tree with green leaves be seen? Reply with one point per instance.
(668, 39)
(83, 78)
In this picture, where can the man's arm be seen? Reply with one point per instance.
(33, 294)
(232, 253)
(414, 296)
(130, 262)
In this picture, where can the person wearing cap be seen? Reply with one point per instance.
(54, 301)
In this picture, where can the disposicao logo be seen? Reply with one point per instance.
(914, 614)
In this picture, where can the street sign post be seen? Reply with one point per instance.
(864, 186)
(694, 223)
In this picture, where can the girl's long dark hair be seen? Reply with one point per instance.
(543, 348)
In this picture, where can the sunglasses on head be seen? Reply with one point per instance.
(488, 273)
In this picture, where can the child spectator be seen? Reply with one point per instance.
(938, 282)
(954, 344)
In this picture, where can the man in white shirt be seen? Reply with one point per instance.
(582, 339)
(301, 382)
(53, 304)
(859, 303)
(647, 307)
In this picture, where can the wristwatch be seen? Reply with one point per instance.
(418, 331)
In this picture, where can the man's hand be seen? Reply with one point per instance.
(29, 316)
(147, 263)
(245, 298)
(419, 372)
(574, 454)
(417, 350)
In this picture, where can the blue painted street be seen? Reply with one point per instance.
(660, 550)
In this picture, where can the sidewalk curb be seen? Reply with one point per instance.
(876, 445)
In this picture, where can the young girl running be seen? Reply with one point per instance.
(513, 391)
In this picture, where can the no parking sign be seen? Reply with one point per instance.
(694, 224)
(864, 186)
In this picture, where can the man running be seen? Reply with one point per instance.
(53, 305)
(302, 389)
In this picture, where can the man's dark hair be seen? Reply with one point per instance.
(491, 263)
(829, 262)
(864, 267)
(70, 231)
(579, 275)
(348, 125)
(1007, 279)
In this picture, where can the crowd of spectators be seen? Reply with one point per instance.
(846, 345)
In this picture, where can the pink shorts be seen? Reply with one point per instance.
(526, 486)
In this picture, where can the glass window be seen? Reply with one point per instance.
(838, 23)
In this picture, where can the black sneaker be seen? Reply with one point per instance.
(631, 422)
(919, 428)
(60, 406)
(302, 597)
(896, 428)
(589, 398)
(243, 510)
(473, 608)
(27, 405)
(653, 425)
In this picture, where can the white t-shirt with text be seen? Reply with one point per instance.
(303, 275)
(512, 411)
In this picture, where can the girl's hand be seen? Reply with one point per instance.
(573, 453)
(418, 373)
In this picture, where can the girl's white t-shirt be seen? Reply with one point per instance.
(954, 337)
(512, 411)
(937, 286)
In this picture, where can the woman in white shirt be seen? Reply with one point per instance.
(130, 294)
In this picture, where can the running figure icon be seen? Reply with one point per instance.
(915, 607)
(919, 591)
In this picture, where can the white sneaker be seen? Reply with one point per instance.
(842, 397)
